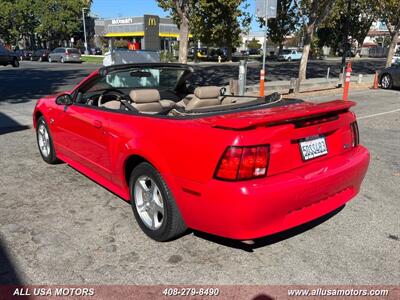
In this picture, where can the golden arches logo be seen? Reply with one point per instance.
(152, 22)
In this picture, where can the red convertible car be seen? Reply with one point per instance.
(238, 167)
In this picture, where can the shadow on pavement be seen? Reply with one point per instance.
(270, 239)
(8, 125)
(23, 85)
(8, 271)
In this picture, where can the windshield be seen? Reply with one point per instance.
(286, 51)
(159, 78)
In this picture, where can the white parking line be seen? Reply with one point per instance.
(378, 114)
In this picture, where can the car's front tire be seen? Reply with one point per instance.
(50, 60)
(15, 63)
(62, 60)
(45, 142)
(386, 81)
(153, 204)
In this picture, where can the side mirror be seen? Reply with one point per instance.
(64, 99)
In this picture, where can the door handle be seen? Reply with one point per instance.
(97, 124)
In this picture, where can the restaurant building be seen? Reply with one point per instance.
(148, 32)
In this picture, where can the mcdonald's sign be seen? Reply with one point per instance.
(152, 32)
(152, 21)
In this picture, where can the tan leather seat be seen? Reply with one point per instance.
(184, 101)
(114, 104)
(146, 101)
(204, 96)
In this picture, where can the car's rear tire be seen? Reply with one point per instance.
(15, 63)
(289, 59)
(386, 81)
(45, 142)
(153, 204)
(40, 59)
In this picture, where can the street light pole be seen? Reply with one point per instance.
(84, 29)
(265, 34)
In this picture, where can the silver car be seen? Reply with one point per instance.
(64, 55)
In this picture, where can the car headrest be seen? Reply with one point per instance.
(207, 92)
(145, 95)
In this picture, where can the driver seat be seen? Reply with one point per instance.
(146, 101)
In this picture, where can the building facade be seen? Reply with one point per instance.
(148, 32)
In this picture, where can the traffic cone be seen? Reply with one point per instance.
(375, 87)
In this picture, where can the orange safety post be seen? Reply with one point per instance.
(375, 81)
(347, 82)
(262, 80)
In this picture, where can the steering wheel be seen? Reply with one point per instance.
(115, 92)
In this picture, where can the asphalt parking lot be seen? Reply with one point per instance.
(59, 227)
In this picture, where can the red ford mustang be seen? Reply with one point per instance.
(238, 167)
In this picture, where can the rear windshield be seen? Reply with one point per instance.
(76, 51)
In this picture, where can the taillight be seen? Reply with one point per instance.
(355, 136)
(241, 163)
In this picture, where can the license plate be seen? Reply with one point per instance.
(313, 148)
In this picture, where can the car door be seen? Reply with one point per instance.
(84, 130)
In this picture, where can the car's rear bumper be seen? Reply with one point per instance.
(72, 59)
(252, 209)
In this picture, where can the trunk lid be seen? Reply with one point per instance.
(276, 115)
(287, 128)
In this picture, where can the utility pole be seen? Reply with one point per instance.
(84, 29)
(346, 44)
(265, 35)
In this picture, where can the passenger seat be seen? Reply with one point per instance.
(146, 101)
(204, 96)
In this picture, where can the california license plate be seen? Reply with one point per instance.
(313, 148)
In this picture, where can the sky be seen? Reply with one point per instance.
(130, 8)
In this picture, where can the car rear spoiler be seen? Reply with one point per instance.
(277, 115)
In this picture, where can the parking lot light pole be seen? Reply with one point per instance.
(84, 30)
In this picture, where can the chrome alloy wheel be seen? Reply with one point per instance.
(386, 81)
(44, 140)
(149, 202)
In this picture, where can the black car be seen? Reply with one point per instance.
(24, 54)
(390, 77)
(40, 55)
(8, 57)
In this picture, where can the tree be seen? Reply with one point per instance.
(362, 14)
(220, 22)
(390, 14)
(51, 20)
(59, 19)
(181, 11)
(284, 23)
(312, 13)
(254, 44)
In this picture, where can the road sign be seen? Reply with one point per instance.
(266, 8)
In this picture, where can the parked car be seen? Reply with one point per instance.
(289, 55)
(23, 54)
(390, 77)
(238, 167)
(96, 51)
(8, 57)
(40, 55)
(64, 55)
